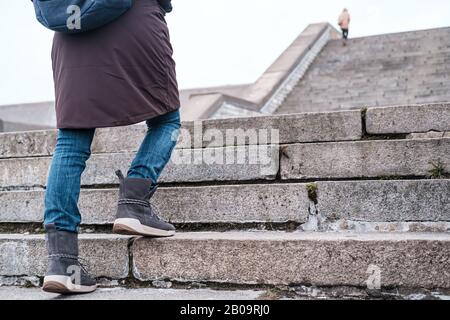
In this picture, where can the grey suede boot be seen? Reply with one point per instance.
(65, 273)
(135, 214)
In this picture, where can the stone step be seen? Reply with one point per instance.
(293, 293)
(311, 127)
(408, 48)
(360, 98)
(430, 134)
(407, 119)
(186, 165)
(379, 158)
(323, 105)
(397, 59)
(279, 258)
(365, 159)
(418, 201)
(329, 259)
(399, 87)
(398, 90)
(385, 97)
(381, 54)
(357, 101)
(368, 70)
(370, 88)
(26, 255)
(385, 200)
(212, 204)
(121, 293)
(312, 104)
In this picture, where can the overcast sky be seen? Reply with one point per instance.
(216, 42)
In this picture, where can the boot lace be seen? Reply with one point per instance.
(154, 209)
(81, 262)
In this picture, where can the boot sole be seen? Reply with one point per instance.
(64, 285)
(128, 226)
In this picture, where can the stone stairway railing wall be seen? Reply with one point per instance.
(268, 92)
(27, 116)
(319, 201)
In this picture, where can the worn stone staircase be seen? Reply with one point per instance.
(390, 69)
(347, 203)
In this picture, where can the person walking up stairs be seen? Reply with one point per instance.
(344, 23)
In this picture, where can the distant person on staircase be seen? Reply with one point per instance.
(119, 74)
(344, 22)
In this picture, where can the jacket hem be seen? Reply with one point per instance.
(110, 124)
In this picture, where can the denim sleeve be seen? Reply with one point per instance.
(166, 5)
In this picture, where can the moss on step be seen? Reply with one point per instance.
(437, 170)
(312, 191)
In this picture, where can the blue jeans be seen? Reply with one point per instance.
(73, 149)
